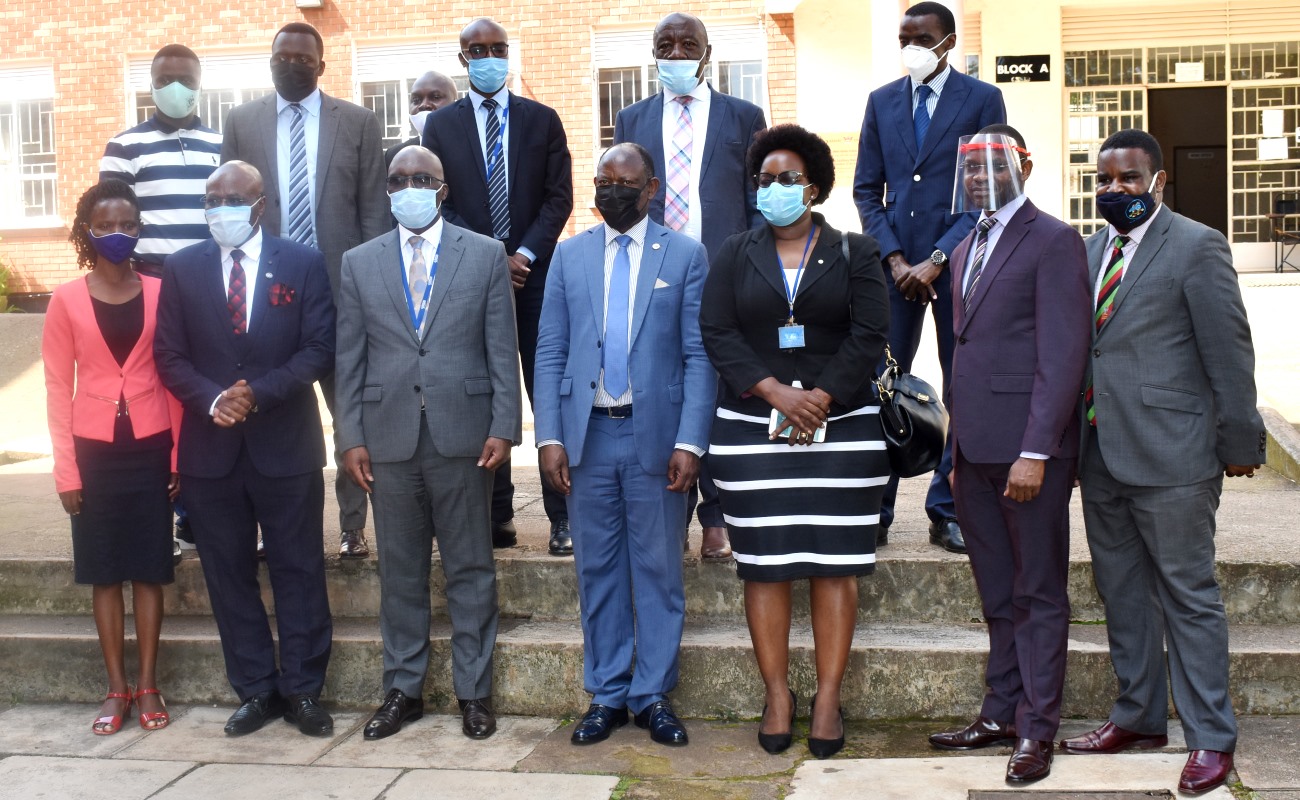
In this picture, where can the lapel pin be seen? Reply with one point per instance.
(654, 246)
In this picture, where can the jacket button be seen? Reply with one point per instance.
(417, 388)
(593, 384)
(597, 344)
(423, 351)
(916, 178)
(961, 340)
(1096, 353)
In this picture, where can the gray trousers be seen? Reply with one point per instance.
(414, 500)
(1153, 561)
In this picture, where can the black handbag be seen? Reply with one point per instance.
(913, 418)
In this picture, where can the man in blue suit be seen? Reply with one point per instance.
(625, 397)
(907, 156)
(245, 327)
(698, 138)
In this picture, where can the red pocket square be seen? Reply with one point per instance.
(281, 295)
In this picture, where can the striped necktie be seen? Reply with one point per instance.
(301, 229)
(977, 267)
(235, 294)
(1105, 301)
(677, 203)
(921, 116)
(498, 198)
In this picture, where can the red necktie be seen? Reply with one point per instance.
(235, 295)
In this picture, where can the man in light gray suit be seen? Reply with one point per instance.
(324, 166)
(1169, 409)
(428, 406)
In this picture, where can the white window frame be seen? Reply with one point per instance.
(26, 85)
(247, 75)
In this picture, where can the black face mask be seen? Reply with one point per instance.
(293, 81)
(1125, 211)
(618, 205)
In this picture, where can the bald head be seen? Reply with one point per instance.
(480, 27)
(628, 155)
(681, 37)
(431, 91)
(416, 160)
(684, 20)
(236, 177)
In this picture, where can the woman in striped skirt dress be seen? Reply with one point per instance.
(794, 327)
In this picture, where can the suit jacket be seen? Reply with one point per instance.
(843, 306)
(1173, 369)
(904, 195)
(540, 182)
(726, 190)
(288, 347)
(1021, 347)
(76, 356)
(350, 195)
(464, 367)
(673, 386)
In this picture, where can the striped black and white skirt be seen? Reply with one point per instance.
(805, 511)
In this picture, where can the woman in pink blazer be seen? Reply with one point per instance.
(114, 429)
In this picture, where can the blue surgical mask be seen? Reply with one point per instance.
(782, 205)
(231, 226)
(679, 77)
(415, 208)
(488, 75)
(114, 247)
(176, 100)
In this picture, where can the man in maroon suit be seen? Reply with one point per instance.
(1020, 315)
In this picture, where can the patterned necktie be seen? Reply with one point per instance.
(921, 116)
(301, 229)
(615, 350)
(977, 267)
(417, 274)
(235, 294)
(678, 200)
(498, 198)
(1105, 300)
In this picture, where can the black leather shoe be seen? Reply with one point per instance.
(255, 712)
(352, 544)
(396, 710)
(505, 535)
(477, 719)
(665, 727)
(775, 743)
(1031, 762)
(598, 723)
(983, 732)
(824, 748)
(947, 534)
(561, 541)
(882, 536)
(306, 713)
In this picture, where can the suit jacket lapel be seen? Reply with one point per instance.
(1152, 242)
(594, 262)
(328, 132)
(465, 109)
(764, 261)
(390, 268)
(517, 124)
(652, 261)
(1017, 228)
(719, 107)
(954, 95)
(958, 266)
(901, 100)
(269, 132)
(266, 268)
(820, 256)
(214, 287)
(450, 253)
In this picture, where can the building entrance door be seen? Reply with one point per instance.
(1191, 124)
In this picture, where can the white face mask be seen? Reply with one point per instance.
(920, 61)
(417, 121)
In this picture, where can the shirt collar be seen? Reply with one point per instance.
(936, 83)
(310, 103)
(252, 248)
(1135, 236)
(432, 235)
(1004, 214)
(700, 92)
(502, 97)
(169, 128)
(637, 232)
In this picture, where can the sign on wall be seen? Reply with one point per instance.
(1017, 69)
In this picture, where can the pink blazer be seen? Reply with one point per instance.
(83, 382)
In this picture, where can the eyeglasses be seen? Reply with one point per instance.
(397, 183)
(477, 51)
(787, 178)
(216, 200)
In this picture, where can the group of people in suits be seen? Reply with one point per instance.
(712, 330)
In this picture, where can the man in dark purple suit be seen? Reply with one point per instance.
(1020, 315)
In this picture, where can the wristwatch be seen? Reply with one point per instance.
(938, 258)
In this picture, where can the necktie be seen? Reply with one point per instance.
(615, 350)
(678, 200)
(921, 116)
(235, 294)
(417, 274)
(300, 222)
(498, 199)
(977, 266)
(1105, 299)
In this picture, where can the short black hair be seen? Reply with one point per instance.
(176, 51)
(818, 163)
(1001, 129)
(1134, 139)
(947, 22)
(108, 189)
(646, 158)
(302, 27)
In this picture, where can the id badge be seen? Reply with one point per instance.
(790, 336)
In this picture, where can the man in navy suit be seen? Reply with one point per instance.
(245, 327)
(1020, 289)
(625, 397)
(903, 189)
(507, 159)
(698, 138)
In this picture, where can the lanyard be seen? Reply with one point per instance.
(417, 315)
(793, 289)
(495, 158)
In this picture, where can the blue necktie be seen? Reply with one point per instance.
(498, 199)
(615, 350)
(921, 116)
(300, 222)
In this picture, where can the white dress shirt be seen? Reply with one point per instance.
(699, 109)
(311, 135)
(502, 97)
(936, 85)
(250, 262)
(429, 241)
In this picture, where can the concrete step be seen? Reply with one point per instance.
(895, 671)
(912, 589)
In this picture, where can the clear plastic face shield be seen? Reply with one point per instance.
(990, 172)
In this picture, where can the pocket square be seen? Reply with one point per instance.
(659, 283)
(281, 295)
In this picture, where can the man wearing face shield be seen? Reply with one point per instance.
(430, 92)
(902, 188)
(1020, 296)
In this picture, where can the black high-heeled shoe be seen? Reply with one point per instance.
(778, 742)
(824, 748)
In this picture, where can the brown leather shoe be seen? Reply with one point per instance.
(1205, 770)
(983, 732)
(352, 544)
(716, 546)
(1111, 738)
(477, 719)
(1031, 762)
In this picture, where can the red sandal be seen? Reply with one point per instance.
(155, 720)
(112, 723)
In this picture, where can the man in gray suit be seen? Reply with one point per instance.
(324, 167)
(416, 306)
(1169, 409)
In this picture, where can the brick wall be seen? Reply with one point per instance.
(90, 44)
